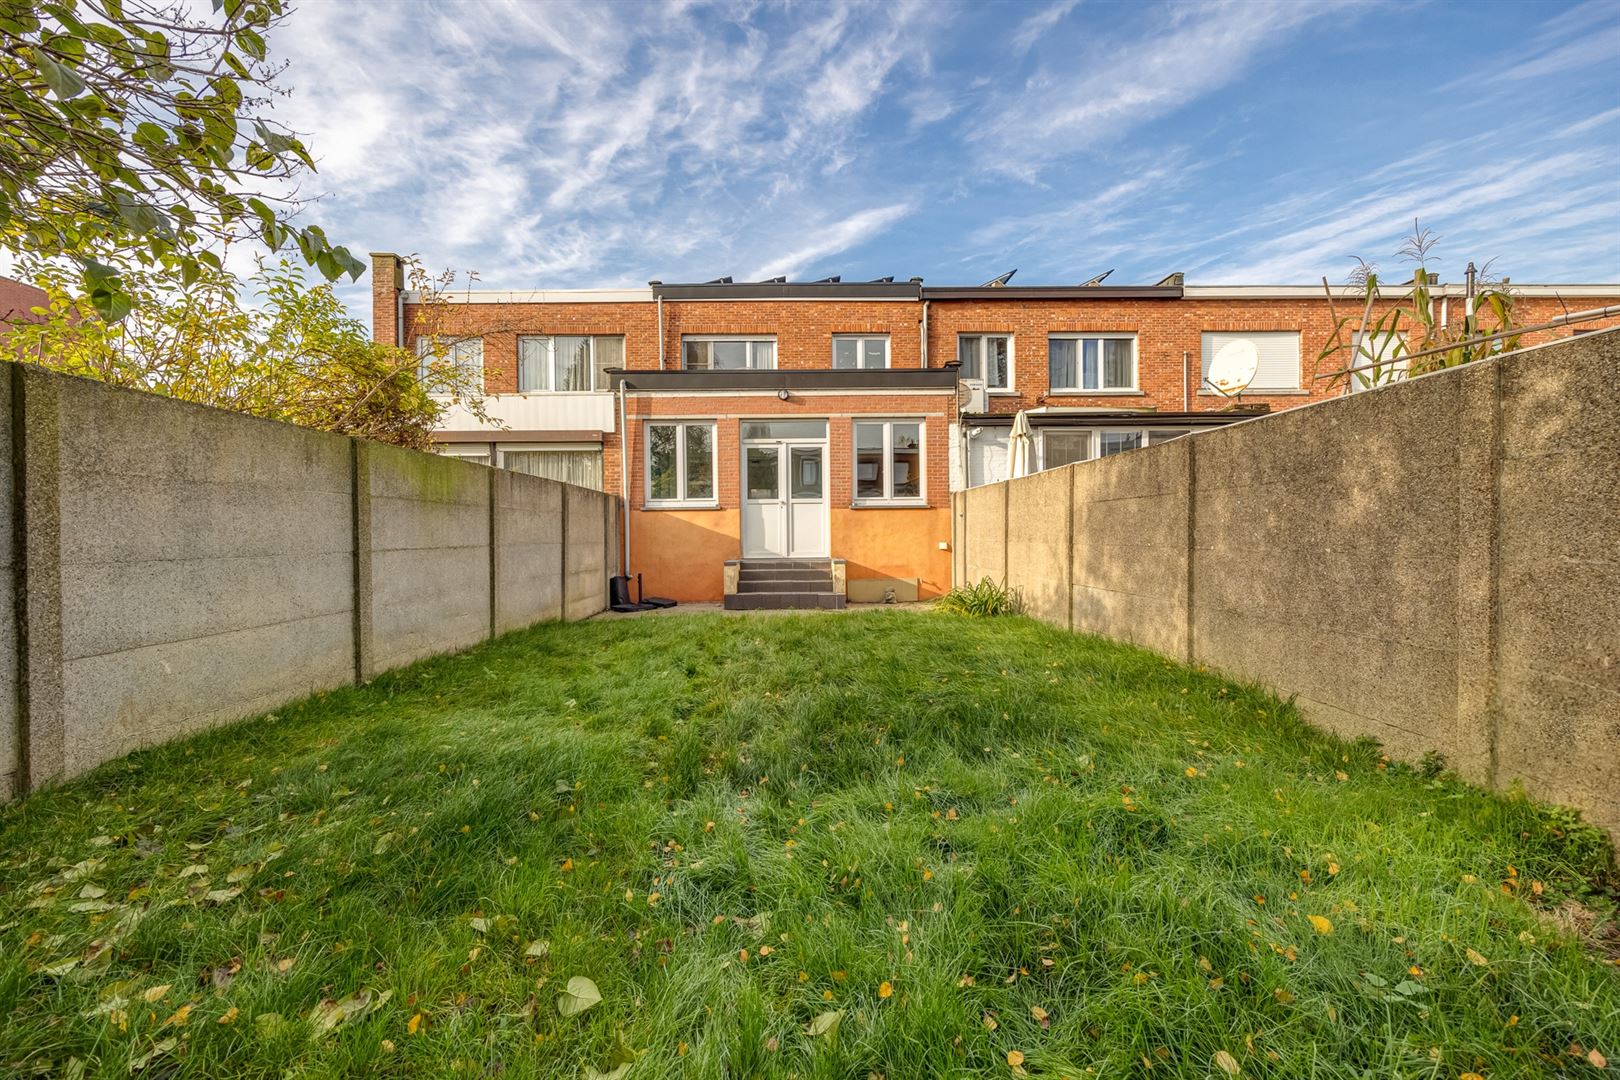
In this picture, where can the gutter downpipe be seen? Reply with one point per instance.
(925, 334)
(1186, 398)
(624, 477)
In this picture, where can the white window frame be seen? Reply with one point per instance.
(1096, 434)
(1079, 336)
(749, 339)
(453, 347)
(860, 350)
(1298, 389)
(477, 453)
(551, 366)
(1012, 359)
(888, 498)
(681, 499)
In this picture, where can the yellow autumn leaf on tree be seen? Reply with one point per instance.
(1321, 924)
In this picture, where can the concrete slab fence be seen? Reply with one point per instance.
(1435, 564)
(174, 566)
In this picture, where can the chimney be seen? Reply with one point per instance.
(387, 279)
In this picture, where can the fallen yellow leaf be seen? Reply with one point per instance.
(155, 993)
(1226, 1063)
(415, 1022)
(885, 989)
(1475, 958)
(1598, 1060)
(1321, 924)
(229, 1016)
(1015, 1058)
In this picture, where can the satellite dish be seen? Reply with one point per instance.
(1234, 367)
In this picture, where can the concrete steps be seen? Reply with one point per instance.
(778, 584)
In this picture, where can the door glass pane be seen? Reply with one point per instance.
(728, 355)
(967, 351)
(1066, 447)
(534, 363)
(764, 354)
(995, 362)
(874, 353)
(1116, 442)
(845, 352)
(762, 478)
(785, 429)
(699, 462)
(907, 461)
(869, 461)
(696, 355)
(805, 462)
(573, 363)
(661, 460)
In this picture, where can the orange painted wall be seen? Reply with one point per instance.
(681, 553)
(895, 544)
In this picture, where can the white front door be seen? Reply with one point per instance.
(784, 499)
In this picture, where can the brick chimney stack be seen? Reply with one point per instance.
(387, 279)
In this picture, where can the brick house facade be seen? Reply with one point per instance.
(832, 419)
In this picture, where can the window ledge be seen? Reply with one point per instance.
(553, 393)
(1095, 393)
(650, 506)
(1003, 393)
(890, 504)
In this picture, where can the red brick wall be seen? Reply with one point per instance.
(1168, 329)
(803, 328)
(385, 284)
(500, 325)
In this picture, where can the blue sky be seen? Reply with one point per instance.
(549, 145)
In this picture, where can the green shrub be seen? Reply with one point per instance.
(985, 598)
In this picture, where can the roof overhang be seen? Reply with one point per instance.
(1137, 418)
(489, 435)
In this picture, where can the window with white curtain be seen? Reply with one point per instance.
(567, 363)
(464, 353)
(987, 357)
(1091, 363)
(581, 466)
(1279, 358)
(715, 353)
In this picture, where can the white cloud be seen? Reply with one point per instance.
(1035, 26)
(1118, 84)
(832, 237)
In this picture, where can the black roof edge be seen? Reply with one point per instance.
(942, 379)
(831, 289)
(1052, 292)
(1142, 418)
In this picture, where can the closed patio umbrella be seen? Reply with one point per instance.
(1020, 448)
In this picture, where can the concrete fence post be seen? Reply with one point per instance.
(1189, 649)
(1068, 548)
(562, 552)
(37, 585)
(1479, 574)
(360, 492)
(495, 479)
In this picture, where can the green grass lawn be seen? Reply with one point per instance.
(888, 844)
